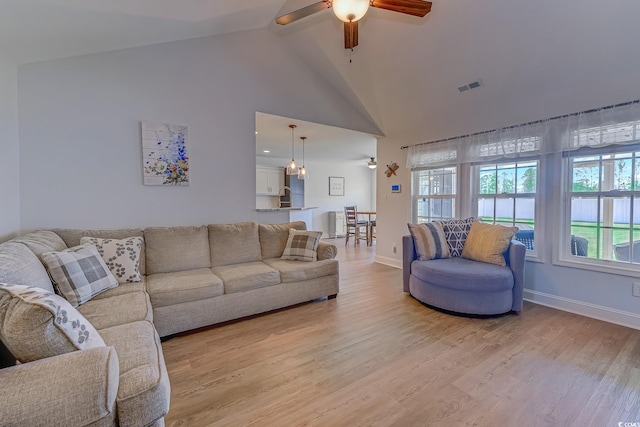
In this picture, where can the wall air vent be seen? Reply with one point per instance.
(470, 86)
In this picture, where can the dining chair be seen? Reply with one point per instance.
(372, 231)
(355, 226)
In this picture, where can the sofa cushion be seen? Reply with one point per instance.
(295, 271)
(72, 238)
(183, 286)
(122, 289)
(429, 240)
(456, 232)
(35, 324)
(176, 248)
(463, 274)
(122, 256)
(144, 390)
(42, 241)
(234, 243)
(487, 243)
(118, 310)
(243, 277)
(273, 237)
(79, 273)
(20, 266)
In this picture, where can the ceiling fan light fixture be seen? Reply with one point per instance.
(350, 10)
(372, 164)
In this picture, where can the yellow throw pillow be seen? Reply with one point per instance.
(487, 242)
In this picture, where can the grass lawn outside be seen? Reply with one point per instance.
(587, 230)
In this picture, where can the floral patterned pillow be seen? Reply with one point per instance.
(122, 256)
(35, 324)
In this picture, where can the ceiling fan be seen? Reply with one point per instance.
(350, 11)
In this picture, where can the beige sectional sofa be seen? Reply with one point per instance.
(191, 277)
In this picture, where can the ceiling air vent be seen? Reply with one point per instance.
(470, 86)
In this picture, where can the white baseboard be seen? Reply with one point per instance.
(619, 317)
(391, 262)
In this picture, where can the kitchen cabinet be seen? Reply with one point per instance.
(269, 181)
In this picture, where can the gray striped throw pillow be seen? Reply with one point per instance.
(429, 240)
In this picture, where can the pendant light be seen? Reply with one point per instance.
(292, 168)
(302, 171)
(372, 164)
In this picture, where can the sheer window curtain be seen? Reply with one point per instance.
(618, 125)
(614, 125)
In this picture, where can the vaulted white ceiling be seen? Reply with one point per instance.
(37, 30)
(535, 59)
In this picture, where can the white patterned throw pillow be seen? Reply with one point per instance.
(302, 245)
(79, 273)
(122, 256)
(35, 324)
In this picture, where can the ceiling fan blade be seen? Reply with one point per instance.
(350, 34)
(410, 7)
(303, 13)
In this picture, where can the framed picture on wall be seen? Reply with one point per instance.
(164, 151)
(336, 186)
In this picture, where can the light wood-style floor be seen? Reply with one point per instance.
(375, 356)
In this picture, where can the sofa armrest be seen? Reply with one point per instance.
(326, 251)
(73, 389)
(516, 260)
(408, 255)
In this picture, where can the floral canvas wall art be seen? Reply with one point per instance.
(164, 154)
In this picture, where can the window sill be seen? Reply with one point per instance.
(534, 258)
(589, 264)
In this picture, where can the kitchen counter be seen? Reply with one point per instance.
(285, 209)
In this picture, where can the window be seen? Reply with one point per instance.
(571, 181)
(506, 195)
(603, 208)
(434, 194)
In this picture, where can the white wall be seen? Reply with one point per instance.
(393, 209)
(79, 129)
(10, 160)
(357, 189)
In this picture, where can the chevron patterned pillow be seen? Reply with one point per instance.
(456, 232)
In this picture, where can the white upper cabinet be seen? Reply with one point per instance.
(269, 181)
